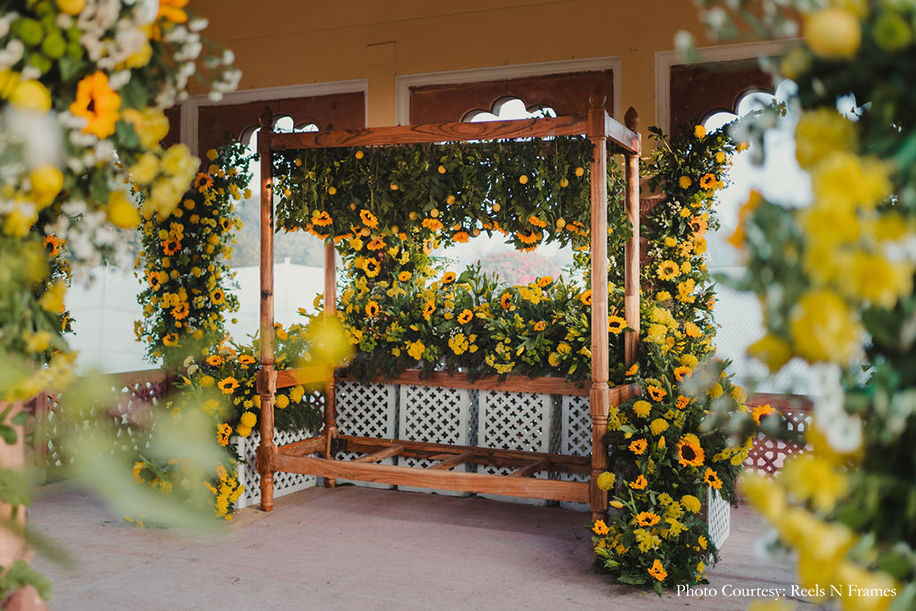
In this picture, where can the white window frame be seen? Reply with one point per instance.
(404, 83)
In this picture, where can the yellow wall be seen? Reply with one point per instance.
(288, 42)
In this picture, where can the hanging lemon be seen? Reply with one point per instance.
(496, 207)
(394, 187)
(359, 154)
(523, 179)
(331, 190)
(580, 171)
(434, 212)
(450, 200)
(442, 169)
(564, 183)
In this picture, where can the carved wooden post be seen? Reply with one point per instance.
(330, 396)
(267, 378)
(631, 286)
(599, 400)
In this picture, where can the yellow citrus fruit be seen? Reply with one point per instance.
(496, 207)
(833, 32)
(561, 223)
(580, 171)
(71, 7)
(331, 190)
(47, 181)
(564, 183)
(523, 179)
(442, 169)
(360, 154)
(31, 95)
(434, 212)
(450, 200)
(394, 187)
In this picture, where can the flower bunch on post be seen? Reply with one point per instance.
(185, 261)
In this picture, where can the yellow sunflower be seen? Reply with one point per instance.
(689, 451)
(170, 340)
(368, 219)
(222, 434)
(545, 281)
(372, 268)
(761, 411)
(638, 446)
(657, 570)
(711, 479)
(203, 182)
(505, 301)
(616, 324)
(228, 385)
(98, 103)
(323, 219)
(657, 393)
(682, 402)
(640, 483)
(708, 181)
(586, 297)
(682, 372)
(668, 270)
(217, 296)
(246, 359)
(376, 244)
(372, 309)
(465, 317)
(52, 245)
(647, 518)
(600, 528)
(448, 278)
(428, 309)
(214, 360)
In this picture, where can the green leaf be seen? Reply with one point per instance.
(633, 580)
(8, 434)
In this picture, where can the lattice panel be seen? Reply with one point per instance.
(718, 518)
(575, 439)
(436, 415)
(368, 410)
(515, 421)
(767, 455)
(284, 483)
(136, 394)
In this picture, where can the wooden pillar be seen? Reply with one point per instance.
(599, 399)
(267, 378)
(330, 396)
(631, 270)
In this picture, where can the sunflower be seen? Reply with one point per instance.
(537, 222)
(181, 311)
(505, 301)
(170, 246)
(528, 237)
(222, 434)
(616, 324)
(98, 103)
(245, 360)
(690, 452)
(657, 393)
(228, 385)
(52, 245)
(203, 181)
(585, 297)
(545, 281)
(428, 309)
(372, 309)
(368, 219)
(647, 518)
(225, 223)
(376, 244)
(682, 402)
(540, 325)
(632, 370)
(448, 278)
(600, 528)
(170, 340)
(682, 372)
(708, 181)
(711, 479)
(465, 317)
(373, 267)
(217, 296)
(323, 219)
(640, 483)
(404, 276)
(214, 360)
(461, 236)
(668, 270)
(761, 411)
(638, 446)
(658, 571)
(433, 224)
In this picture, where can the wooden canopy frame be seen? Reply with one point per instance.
(297, 457)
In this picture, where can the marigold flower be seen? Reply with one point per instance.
(700, 132)
(692, 330)
(537, 222)
(600, 528)
(684, 182)
(545, 281)
(606, 480)
(368, 219)
(461, 236)
(642, 408)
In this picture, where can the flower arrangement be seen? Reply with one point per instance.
(185, 261)
(83, 85)
(842, 298)
(222, 387)
(662, 459)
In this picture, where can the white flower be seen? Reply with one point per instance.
(119, 79)
(145, 11)
(842, 430)
(198, 24)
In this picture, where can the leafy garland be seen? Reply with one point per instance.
(533, 191)
(185, 261)
(662, 460)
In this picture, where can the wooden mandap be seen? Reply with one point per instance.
(316, 456)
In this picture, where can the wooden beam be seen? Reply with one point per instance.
(380, 455)
(625, 137)
(304, 447)
(431, 133)
(531, 469)
(576, 492)
(548, 385)
(307, 376)
(454, 461)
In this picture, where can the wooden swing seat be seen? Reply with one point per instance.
(316, 456)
